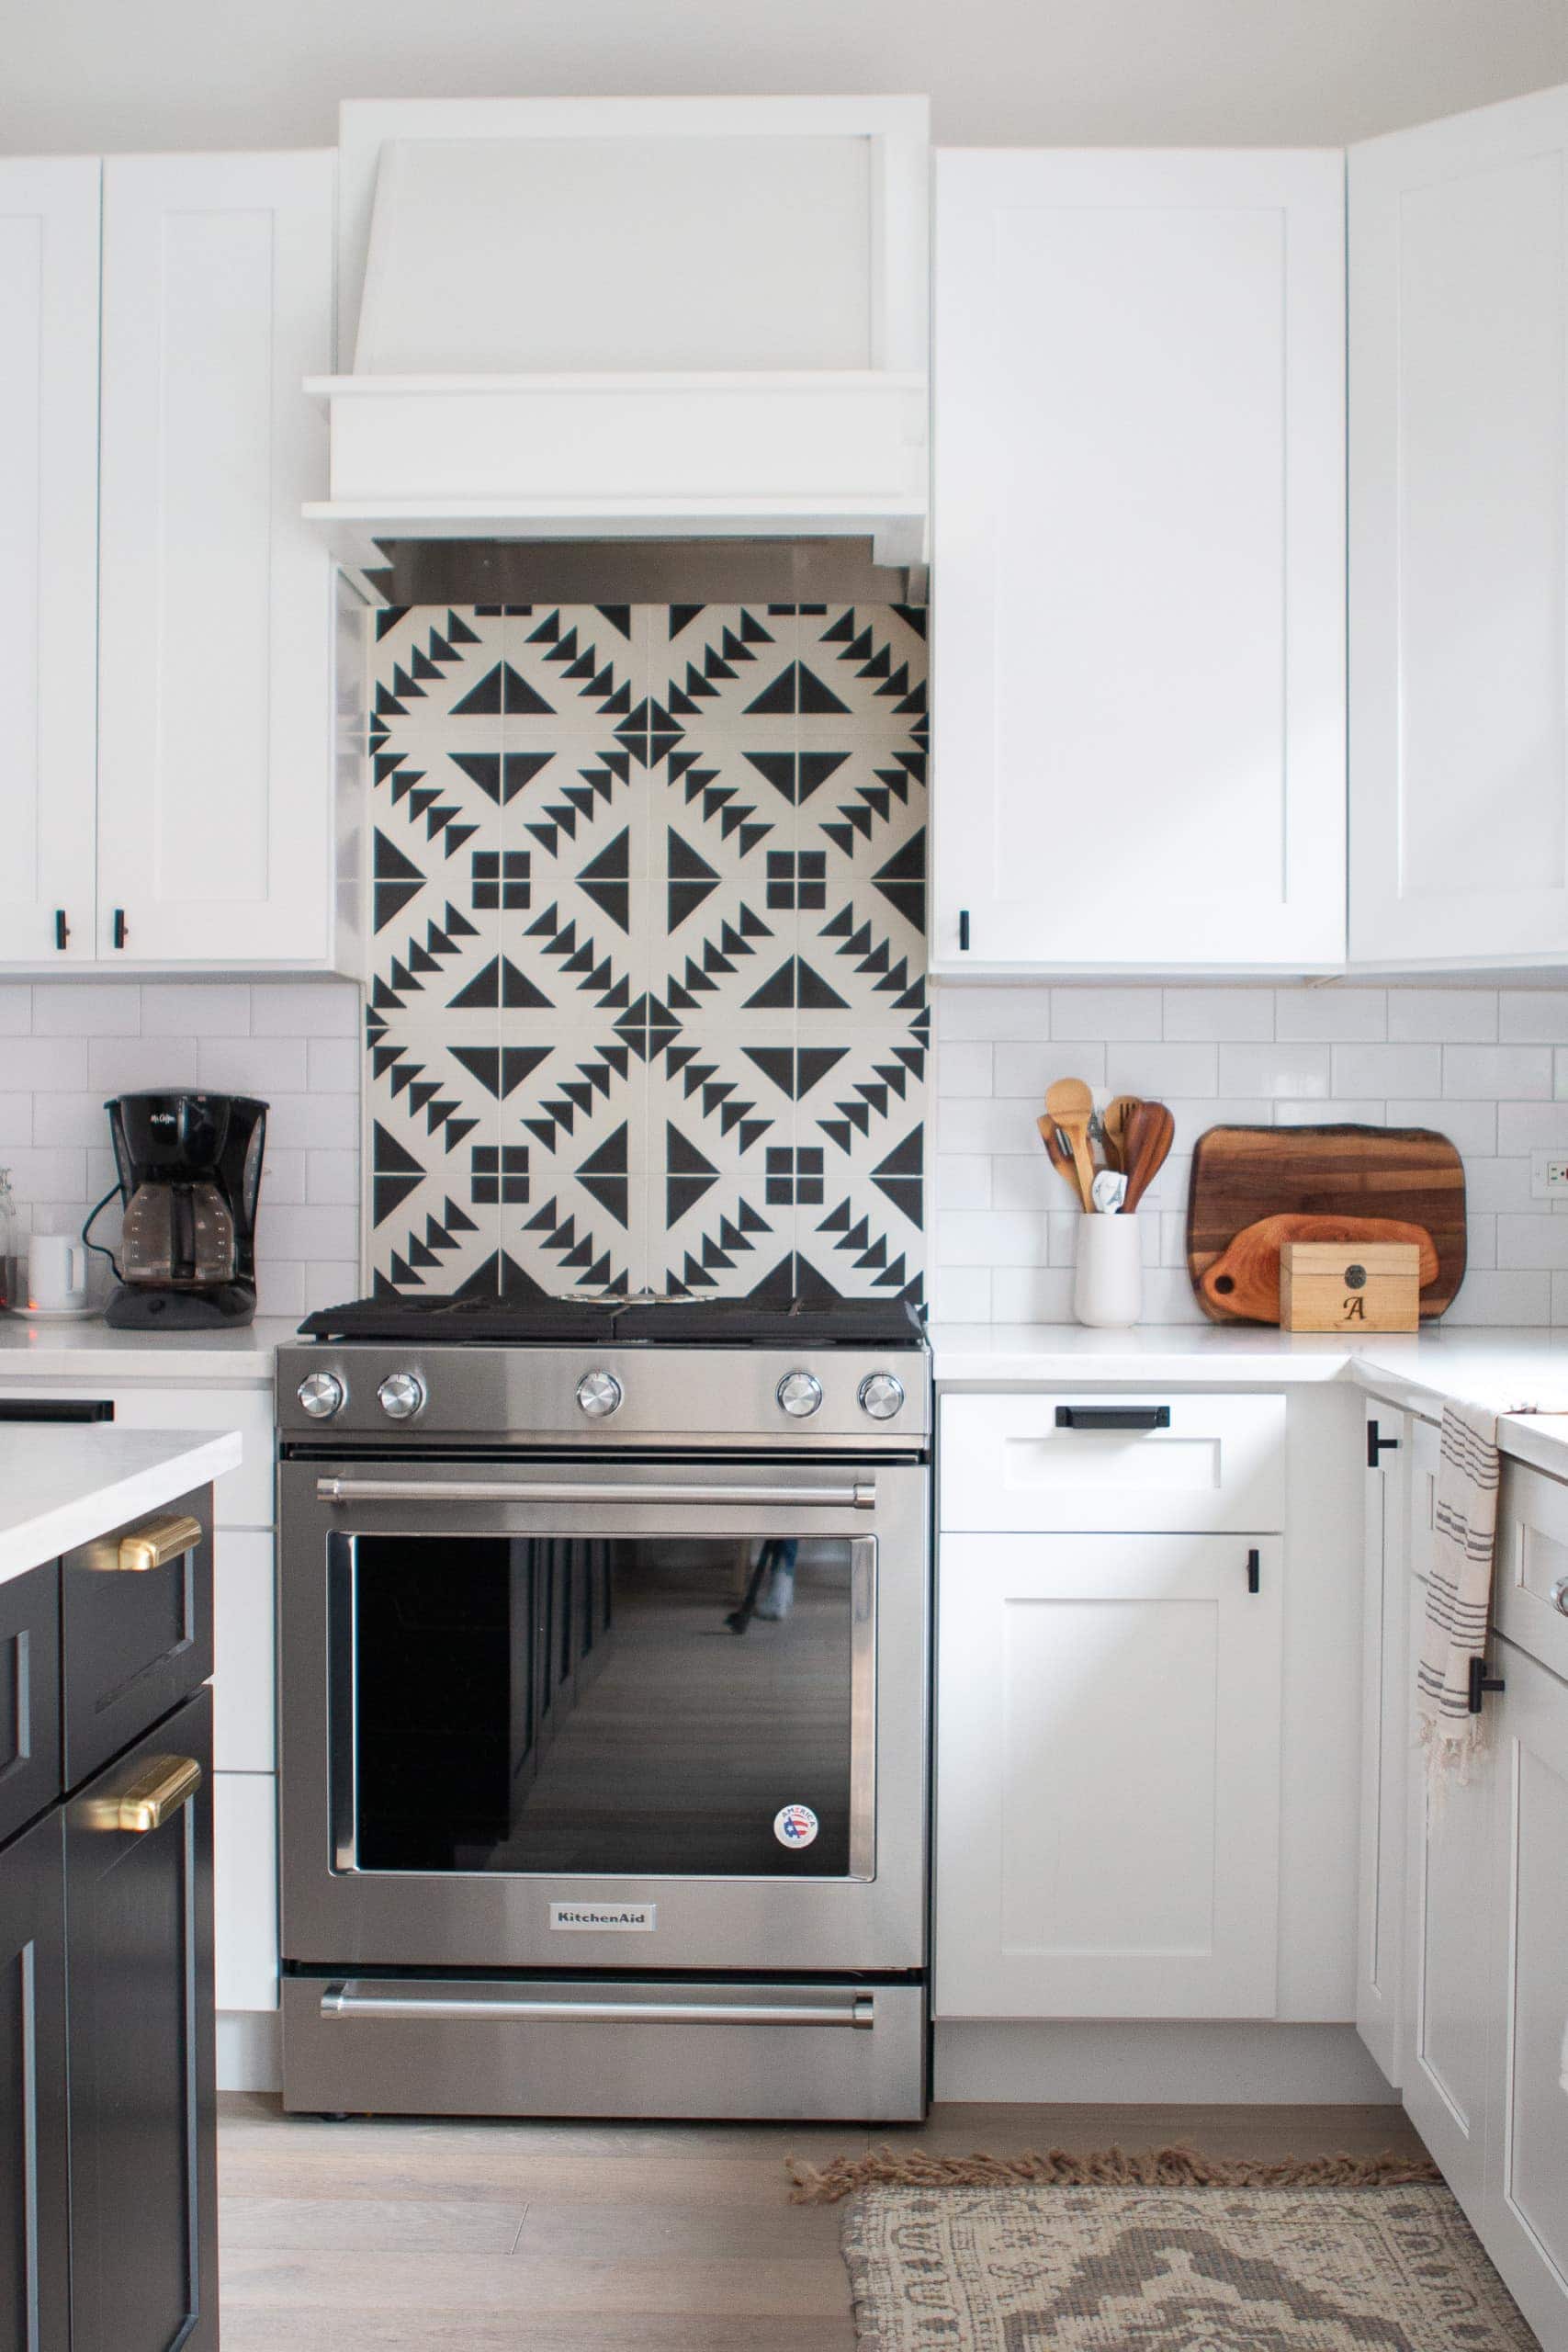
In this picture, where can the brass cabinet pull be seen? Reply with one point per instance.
(157, 1541)
(155, 1797)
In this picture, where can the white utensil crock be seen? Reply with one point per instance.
(1107, 1278)
(57, 1273)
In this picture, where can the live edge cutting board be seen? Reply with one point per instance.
(1240, 1174)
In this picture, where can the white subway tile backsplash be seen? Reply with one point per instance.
(89, 1009)
(1106, 1014)
(1490, 1070)
(1029, 1069)
(66, 1045)
(1222, 1014)
(1533, 1016)
(965, 1069)
(1363, 1069)
(1495, 1073)
(1287, 1068)
(1158, 1072)
(1442, 1016)
(1330, 1014)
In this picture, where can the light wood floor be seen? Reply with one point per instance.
(408, 2237)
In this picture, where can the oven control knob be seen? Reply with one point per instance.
(599, 1394)
(800, 1393)
(881, 1395)
(401, 1395)
(321, 1396)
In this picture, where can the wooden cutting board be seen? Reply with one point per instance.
(1244, 1279)
(1242, 1174)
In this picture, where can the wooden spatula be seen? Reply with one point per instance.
(1115, 1125)
(1149, 1134)
(1071, 1105)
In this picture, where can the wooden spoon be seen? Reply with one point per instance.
(1115, 1125)
(1071, 1105)
(1058, 1150)
(1150, 1132)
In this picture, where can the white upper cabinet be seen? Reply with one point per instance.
(1139, 562)
(216, 757)
(1459, 540)
(49, 502)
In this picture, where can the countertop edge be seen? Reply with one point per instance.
(193, 1459)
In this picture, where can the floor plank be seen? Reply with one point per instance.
(397, 2234)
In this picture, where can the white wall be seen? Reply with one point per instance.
(66, 1045)
(1487, 1068)
(84, 74)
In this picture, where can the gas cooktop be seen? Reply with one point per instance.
(491, 1321)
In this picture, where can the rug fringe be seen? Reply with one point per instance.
(1176, 2167)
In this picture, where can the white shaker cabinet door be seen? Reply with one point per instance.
(1108, 1776)
(1387, 1725)
(1458, 540)
(216, 772)
(1526, 2217)
(49, 526)
(1138, 561)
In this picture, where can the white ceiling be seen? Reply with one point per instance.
(84, 74)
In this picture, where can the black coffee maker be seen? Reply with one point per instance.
(190, 1177)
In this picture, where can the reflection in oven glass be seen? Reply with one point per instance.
(648, 1707)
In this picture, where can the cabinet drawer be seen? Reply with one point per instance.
(1530, 1594)
(29, 1696)
(1113, 1464)
(134, 1640)
(1425, 1444)
(242, 1498)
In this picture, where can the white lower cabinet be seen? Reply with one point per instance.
(1108, 1776)
(244, 1867)
(1387, 1721)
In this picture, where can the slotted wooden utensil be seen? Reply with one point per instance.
(1071, 1105)
(1114, 1123)
(1150, 1132)
(1059, 1152)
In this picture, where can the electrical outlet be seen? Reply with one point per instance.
(1548, 1175)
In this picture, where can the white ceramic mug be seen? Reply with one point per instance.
(57, 1273)
(1108, 1274)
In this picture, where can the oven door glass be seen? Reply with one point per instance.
(643, 1705)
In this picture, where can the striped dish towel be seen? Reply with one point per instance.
(1459, 1593)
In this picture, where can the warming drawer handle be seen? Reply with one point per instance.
(155, 1797)
(1113, 1417)
(859, 2012)
(556, 1490)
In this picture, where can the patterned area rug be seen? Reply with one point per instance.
(1038, 2268)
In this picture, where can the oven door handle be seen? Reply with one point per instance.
(560, 1491)
(857, 2010)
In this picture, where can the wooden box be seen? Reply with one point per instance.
(1349, 1286)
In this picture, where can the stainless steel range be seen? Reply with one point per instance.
(604, 1635)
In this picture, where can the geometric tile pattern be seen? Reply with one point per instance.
(648, 1004)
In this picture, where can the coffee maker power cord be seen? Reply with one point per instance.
(115, 1192)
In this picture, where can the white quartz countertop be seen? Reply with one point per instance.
(1503, 1369)
(60, 1487)
(92, 1351)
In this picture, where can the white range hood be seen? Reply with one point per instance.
(611, 318)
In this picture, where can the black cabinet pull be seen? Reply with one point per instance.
(120, 933)
(1376, 1445)
(1479, 1680)
(56, 1409)
(61, 929)
(1113, 1417)
(1254, 1572)
(964, 929)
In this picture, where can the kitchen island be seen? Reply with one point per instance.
(107, 2029)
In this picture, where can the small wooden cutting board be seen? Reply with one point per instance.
(1241, 1176)
(1245, 1277)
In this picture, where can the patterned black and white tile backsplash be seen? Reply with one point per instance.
(647, 1005)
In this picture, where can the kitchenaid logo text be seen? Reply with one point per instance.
(617, 1918)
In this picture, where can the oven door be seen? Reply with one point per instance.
(651, 1716)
